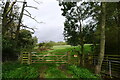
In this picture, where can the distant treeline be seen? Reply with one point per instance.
(53, 43)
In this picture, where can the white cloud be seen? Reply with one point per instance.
(50, 13)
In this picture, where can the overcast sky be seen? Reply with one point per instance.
(48, 12)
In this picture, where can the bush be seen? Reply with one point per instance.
(61, 43)
(49, 45)
(8, 50)
(45, 45)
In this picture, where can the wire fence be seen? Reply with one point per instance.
(110, 65)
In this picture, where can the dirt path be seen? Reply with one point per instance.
(63, 68)
(42, 72)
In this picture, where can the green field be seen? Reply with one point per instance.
(72, 49)
(47, 70)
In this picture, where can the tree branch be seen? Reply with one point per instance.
(27, 27)
(27, 12)
(11, 6)
(37, 2)
(33, 18)
(32, 7)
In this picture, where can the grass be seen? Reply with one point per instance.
(53, 72)
(61, 47)
(72, 49)
(73, 70)
(24, 71)
(65, 48)
(17, 70)
(79, 72)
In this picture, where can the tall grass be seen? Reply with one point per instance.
(14, 70)
(79, 72)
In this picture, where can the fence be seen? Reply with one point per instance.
(25, 58)
(110, 65)
(30, 58)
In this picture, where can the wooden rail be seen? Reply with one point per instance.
(48, 55)
(49, 62)
(48, 58)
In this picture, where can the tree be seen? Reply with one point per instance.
(101, 17)
(75, 32)
(47, 45)
(7, 16)
(11, 27)
(26, 42)
(35, 41)
(98, 12)
(9, 19)
(102, 37)
(20, 20)
(111, 22)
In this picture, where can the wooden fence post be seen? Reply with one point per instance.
(29, 58)
(90, 59)
(68, 54)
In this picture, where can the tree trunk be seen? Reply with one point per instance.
(81, 42)
(102, 40)
(5, 16)
(4, 20)
(20, 19)
(83, 55)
